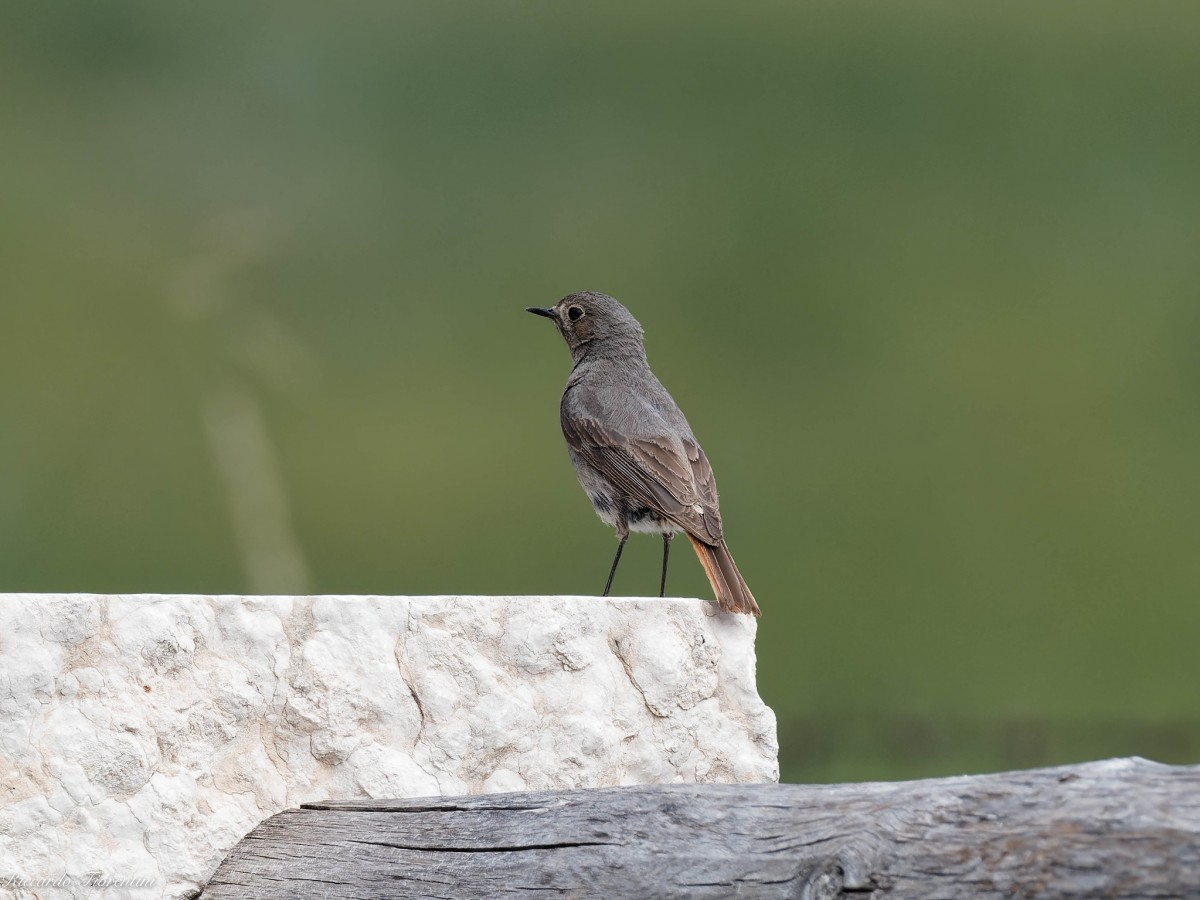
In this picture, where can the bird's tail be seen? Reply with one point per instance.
(727, 582)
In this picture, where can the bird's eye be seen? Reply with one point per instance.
(575, 313)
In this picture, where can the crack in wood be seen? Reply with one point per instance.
(506, 848)
(401, 807)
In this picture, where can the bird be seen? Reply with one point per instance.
(631, 446)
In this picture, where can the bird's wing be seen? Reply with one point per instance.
(669, 476)
(706, 486)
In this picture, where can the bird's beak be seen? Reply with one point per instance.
(547, 311)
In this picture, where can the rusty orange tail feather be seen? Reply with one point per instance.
(727, 583)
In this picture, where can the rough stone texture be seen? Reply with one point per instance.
(142, 736)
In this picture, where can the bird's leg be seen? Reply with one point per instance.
(622, 537)
(662, 586)
(616, 559)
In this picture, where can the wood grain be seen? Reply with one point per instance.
(1119, 828)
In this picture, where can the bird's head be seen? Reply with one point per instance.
(589, 320)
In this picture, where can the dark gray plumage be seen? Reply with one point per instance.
(633, 450)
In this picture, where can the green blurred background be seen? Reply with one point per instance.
(924, 278)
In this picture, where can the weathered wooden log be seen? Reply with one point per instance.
(1120, 828)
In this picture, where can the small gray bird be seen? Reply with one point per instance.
(632, 449)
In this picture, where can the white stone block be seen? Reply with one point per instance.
(142, 736)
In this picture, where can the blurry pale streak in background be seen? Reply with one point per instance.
(243, 452)
(257, 496)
